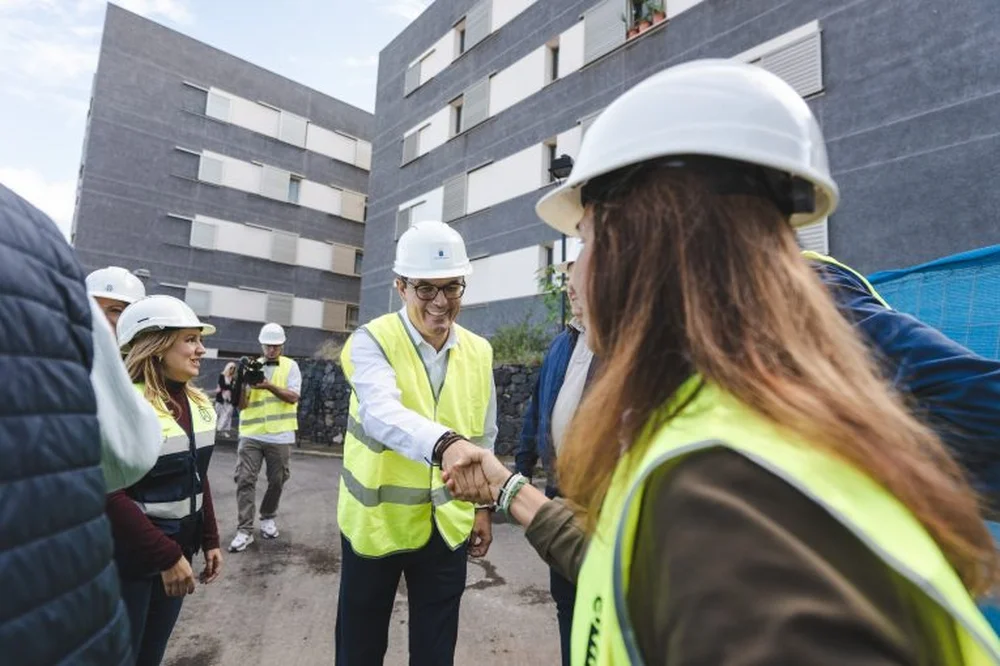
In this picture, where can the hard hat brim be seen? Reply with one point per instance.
(562, 209)
(112, 296)
(418, 274)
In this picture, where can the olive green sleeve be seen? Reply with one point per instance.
(557, 536)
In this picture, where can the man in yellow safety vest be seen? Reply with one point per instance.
(423, 392)
(268, 421)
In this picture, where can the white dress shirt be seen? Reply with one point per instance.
(380, 407)
(130, 430)
(294, 384)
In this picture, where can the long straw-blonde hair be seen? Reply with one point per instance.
(144, 364)
(683, 280)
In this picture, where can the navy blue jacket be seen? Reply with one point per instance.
(61, 603)
(536, 430)
(956, 391)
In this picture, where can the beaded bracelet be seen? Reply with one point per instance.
(510, 490)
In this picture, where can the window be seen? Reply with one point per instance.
(218, 106)
(799, 63)
(334, 315)
(294, 186)
(292, 129)
(352, 205)
(402, 221)
(344, 259)
(460, 37)
(477, 24)
(358, 258)
(203, 234)
(552, 62)
(352, 317)
(275, 183)
(475, 104)
(454, 198)
(211, 170)
(456, 116)
(815, 236)
(603, 29)
(284, 247)
(550, 157)
(411, 144)
(279, 308)
(200, 301)
(412, 81)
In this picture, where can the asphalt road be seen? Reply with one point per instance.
(276, 603)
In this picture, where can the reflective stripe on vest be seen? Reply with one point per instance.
(602, 630)
(266, 413)
(388, 503)
(822, 258)
(172, 490)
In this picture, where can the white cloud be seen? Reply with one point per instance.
(408, 9)
(55, 198)
(366, 61)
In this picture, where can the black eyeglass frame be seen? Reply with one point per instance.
(433, 290)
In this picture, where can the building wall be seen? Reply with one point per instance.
(907, 102)
(143, 186)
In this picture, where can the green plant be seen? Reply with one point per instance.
(524, 343)
(551, 283)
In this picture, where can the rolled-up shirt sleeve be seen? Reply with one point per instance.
(380, 405)
(130, 429)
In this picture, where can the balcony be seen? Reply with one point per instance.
(642, 15)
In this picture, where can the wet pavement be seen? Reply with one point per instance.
(276, 603)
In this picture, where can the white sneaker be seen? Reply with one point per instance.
(268, 528)
(240, 542)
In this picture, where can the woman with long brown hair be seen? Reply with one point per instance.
(163, 520)
(747, 487)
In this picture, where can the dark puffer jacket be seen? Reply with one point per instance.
(60, 602)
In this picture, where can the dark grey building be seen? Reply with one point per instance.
(231, 187)
(476, 97)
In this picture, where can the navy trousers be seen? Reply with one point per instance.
(435, 580)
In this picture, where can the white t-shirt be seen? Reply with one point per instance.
(294, 384)
(571, 391)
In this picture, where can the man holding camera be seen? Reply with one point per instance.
(269, 391)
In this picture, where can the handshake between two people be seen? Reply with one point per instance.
(472, 473)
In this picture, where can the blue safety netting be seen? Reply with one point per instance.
(959, 295)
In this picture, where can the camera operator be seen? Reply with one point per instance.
(268, 390)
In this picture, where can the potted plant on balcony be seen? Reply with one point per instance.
(631, 27)
(655, 11)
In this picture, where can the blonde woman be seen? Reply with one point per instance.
(743, 485)
(162, 521)
(224, 398)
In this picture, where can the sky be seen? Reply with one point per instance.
(49, 49)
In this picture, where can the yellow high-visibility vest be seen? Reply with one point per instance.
(389, 503)
(603, 633)
(266, 413)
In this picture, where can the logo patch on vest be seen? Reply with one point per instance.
(595, 634)
(205, 413)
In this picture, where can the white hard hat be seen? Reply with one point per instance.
(116, 283)
(271, 334)
(157, 313)
(718, 108)
(431, 250)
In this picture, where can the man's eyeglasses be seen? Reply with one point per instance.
(428, 292)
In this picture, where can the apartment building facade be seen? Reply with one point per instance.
(231, 187)
(476, 98)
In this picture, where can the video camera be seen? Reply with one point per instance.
(249, 372)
